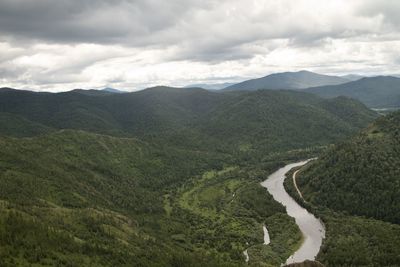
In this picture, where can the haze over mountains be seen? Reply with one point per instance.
(377, 92)
(211, 86)
(288, 80)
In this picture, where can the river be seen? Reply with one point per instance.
(311, 227)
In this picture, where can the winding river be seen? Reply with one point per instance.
(311, 227)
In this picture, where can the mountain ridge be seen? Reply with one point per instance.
(375, 92)
(204, 116)
(287, 80)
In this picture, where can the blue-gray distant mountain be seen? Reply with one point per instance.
(375, 92)
(211, 86)
(98, 92)
(288, 80)
(113, 90)
(352, 77)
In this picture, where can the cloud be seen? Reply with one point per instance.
(91, 21)
(387, 10)
(58, 44)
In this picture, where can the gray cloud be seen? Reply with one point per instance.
(387, 9)
(91, 21)
(92, 42)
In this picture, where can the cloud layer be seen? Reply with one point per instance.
(64, 44)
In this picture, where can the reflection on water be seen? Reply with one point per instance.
(311, 227)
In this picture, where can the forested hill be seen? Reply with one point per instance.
(287, 80)
(160, 177)
(375, 92)
(361, 175)
(189, 117)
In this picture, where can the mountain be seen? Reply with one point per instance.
(273, 120)
(361, 175)
(211, 86)
(354, 187)
(352, 77)
(199, 117)
(18, 126)
(287, 80)
(112, 90)
(101, 92)
(160, 177)
(375, 92)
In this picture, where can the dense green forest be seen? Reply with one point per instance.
(354, 188)
(75, 198)
(191, 118)
(363, 171)
(161, 177)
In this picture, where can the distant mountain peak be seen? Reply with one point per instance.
(288, 80)
(112, 90)
(375, 92)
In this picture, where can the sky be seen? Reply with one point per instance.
(59, 45)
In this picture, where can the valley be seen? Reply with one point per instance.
(172, 172)
(217, 133)
(311, 228)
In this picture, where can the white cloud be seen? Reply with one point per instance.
(133, 44)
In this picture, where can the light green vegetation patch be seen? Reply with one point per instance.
(238, 207)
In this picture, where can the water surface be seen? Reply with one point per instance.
(311, 227)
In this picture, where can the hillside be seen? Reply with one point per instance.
(354, 188)
(210, 86)
(160, 177)
(195, 117)
(375, 92)
(274, 120)
(360, 176)
(287, 80)
(352, 77)
(86, 199)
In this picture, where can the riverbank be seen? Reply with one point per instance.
(311, 227)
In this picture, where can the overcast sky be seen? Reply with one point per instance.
(57, 45)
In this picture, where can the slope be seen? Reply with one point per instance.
(185, 194)
(354, 189)
(197, 118)
(269, 120)
(361, 175)
(73, 198)
(287, 80)
(375, 92)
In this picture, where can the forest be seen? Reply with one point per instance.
(354, 188)
(162, 177)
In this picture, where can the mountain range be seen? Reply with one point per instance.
(170, 177)
(200, 116)
(376, 92)
(288, 80)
